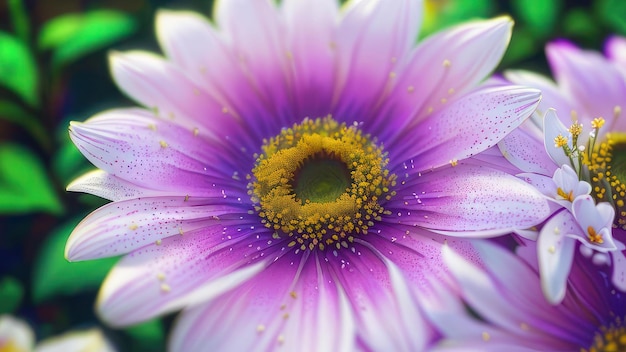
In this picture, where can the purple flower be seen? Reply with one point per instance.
(290, 174)
(576, 152)
(510, 314)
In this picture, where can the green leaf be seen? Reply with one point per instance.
(19, 19)
(148, 336)
(17, 68)
(73, 35)
(24, 184)
(14, 113)
(612, 12)
(579, 23)
(68, 163)
(441, 14)
(523, 45)
(54, 275)
(11, 293)
(538, 16)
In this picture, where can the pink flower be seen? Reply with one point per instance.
(286, 182)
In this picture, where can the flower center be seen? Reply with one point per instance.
(609, 339)
(320, 183)
(607, 169)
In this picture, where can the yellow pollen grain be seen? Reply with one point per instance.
(446, 63)
(410, 89)
(617, 110)
(163, 144)
(392, 75)
(575, 129)
(598, 122)
(454, 162)
(152, 127)
(451, 91)
(260, 328)
(225, 110)
(165, 287)
(281, 339)
(552, 249)
(293, 294)
(560, 141)
(186, 198)
(133, 227)
(158, 242)
(180, 231)
(593, 236)
(160, 276)
(486, 337)
(567, 196)
(195, 131)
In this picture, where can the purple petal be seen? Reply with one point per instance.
(289, 305)
(524, 148)
(551, 95)
(466, 126)
(615, 49)
(255, 33)
(372, 40)
(555, 252)
(158, 85)
(444, 66)
(157, 154)
(120, 227)
(589, 79)
(386, 311)
(207, 65)
(618, 276)
(312, 26)
(157, 279)
(490, 300)
(478, 200)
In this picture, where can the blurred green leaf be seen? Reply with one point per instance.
(24, 184)
(69, 163)
(11, 293)
(523, 45)
(579, 23)
(148, 336)
(19, 19)
(539, 16)
(73, 35)
(613, 13)
(440, 14)
(17, 68)
(14, 113)
(54, 275)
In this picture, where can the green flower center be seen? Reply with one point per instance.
(607, 169)
(609, 339)
(320, 183)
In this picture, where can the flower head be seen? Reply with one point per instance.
(509, 312)
(293, 167)
(587, 136)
